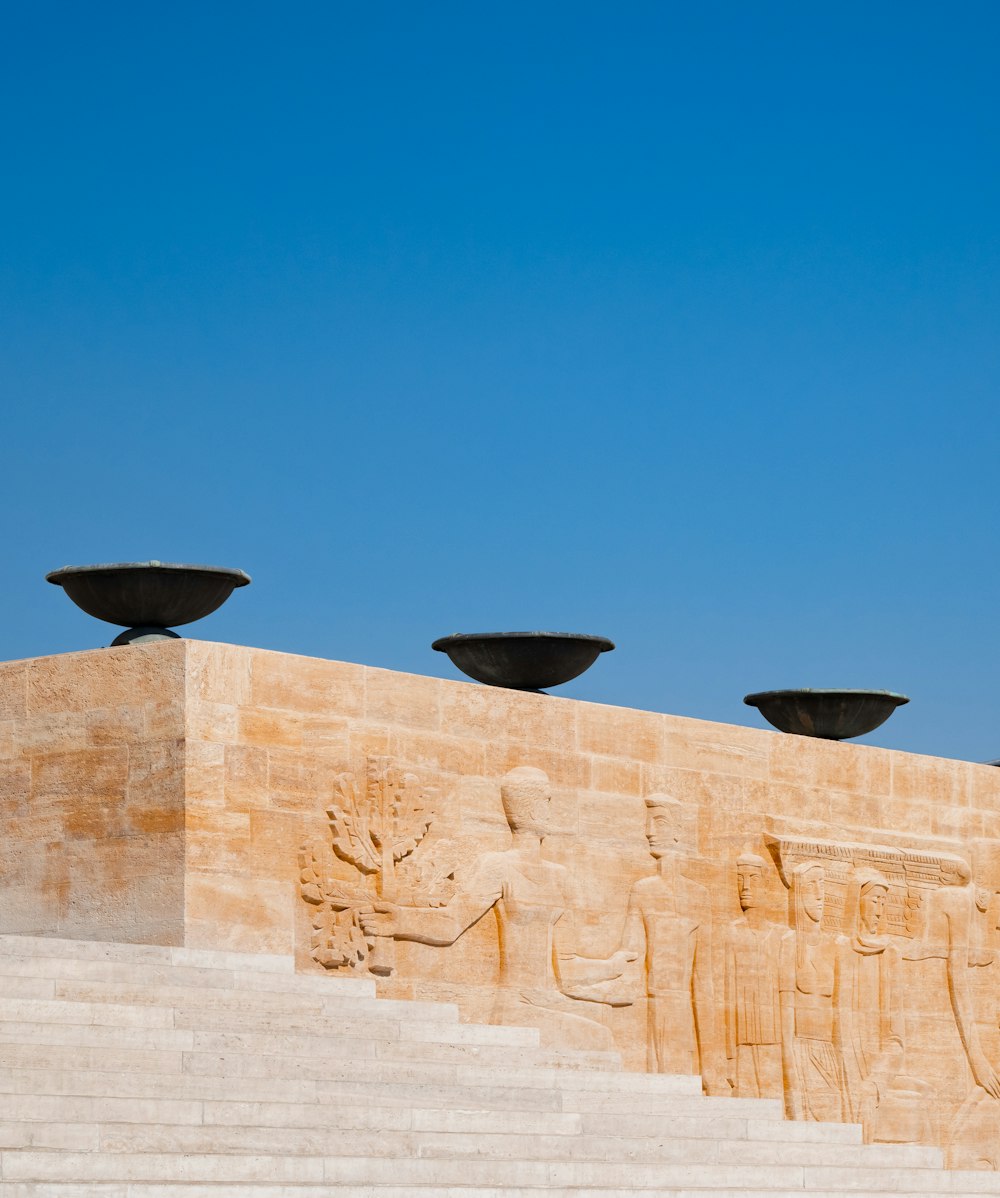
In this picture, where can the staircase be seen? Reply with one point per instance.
(134, 1071)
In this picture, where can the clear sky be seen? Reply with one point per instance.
(676, 323)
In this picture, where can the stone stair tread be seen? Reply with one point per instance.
(267, 1112)
(30, 1165)
(432, 1190)
(368, 1060)
(241, 977)
(212, 999)
(142, 1071)
(393, 1091)
(96, 950)
(299, 1042)
(497, 1144)
(353, 1113)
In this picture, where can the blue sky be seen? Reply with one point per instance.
(672, 323)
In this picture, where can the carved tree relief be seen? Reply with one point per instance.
(375, 823)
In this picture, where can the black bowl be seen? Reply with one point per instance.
(523, 661)
(829, 714)
(154, 594)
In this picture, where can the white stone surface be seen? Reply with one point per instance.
(141, 1072)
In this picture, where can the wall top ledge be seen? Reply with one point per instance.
(216, 664)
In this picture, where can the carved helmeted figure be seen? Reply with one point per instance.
(811, 1064)
(668, 929)
(890, 1108)
(752, 1004)
(539, 985)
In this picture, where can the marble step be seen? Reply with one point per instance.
(396, 1090)
(358, 1041)
(269, 1190)
(94, 1097)
(152, 954)
(382, 1022)
(199, 998)
(245, 977)
(497, 1144)
(371, 1059)
(238, 1057)
(433, 1190)
(70, 1109)
(360, 1171)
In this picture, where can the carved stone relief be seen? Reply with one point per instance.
(377, 823)
(891, 906)
(541, 982)
(912, 875)
(752, 1006)
(668, 933)
(812, 1067)
(817, 1010)
(890, 1106)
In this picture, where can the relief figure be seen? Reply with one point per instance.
(668, 931)
(974, 1134)
(813, 1073)
(752, 1002)
(949, 933)
(891, 1108)
(540, 984)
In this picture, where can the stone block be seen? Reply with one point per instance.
(306, 684)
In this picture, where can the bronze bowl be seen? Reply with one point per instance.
(829, 714)
(523, 661)
(147, 597)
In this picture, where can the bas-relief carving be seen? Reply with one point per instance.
(939, 915)
(950, 933)
(811, 1066)
(813, 1011)
(973, 1137)
(376, 824)
(541, 983)
(891, 1107)
(751, 1000)
(668, 931)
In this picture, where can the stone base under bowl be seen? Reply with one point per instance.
(143, 634)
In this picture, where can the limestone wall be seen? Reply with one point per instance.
(92, 795)
(354, 816)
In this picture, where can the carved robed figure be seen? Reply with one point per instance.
(813, 1072)
(668, 930)
(870, 1024)
(542, 983)
(752, 1002)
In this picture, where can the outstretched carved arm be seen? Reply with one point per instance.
(614, 980)
(442, 926)
(595, 979)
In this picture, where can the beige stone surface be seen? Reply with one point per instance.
(799, 920)
(259, 1111)
(92, 784)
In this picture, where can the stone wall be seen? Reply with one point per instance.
(92, 795)
(363, 819)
